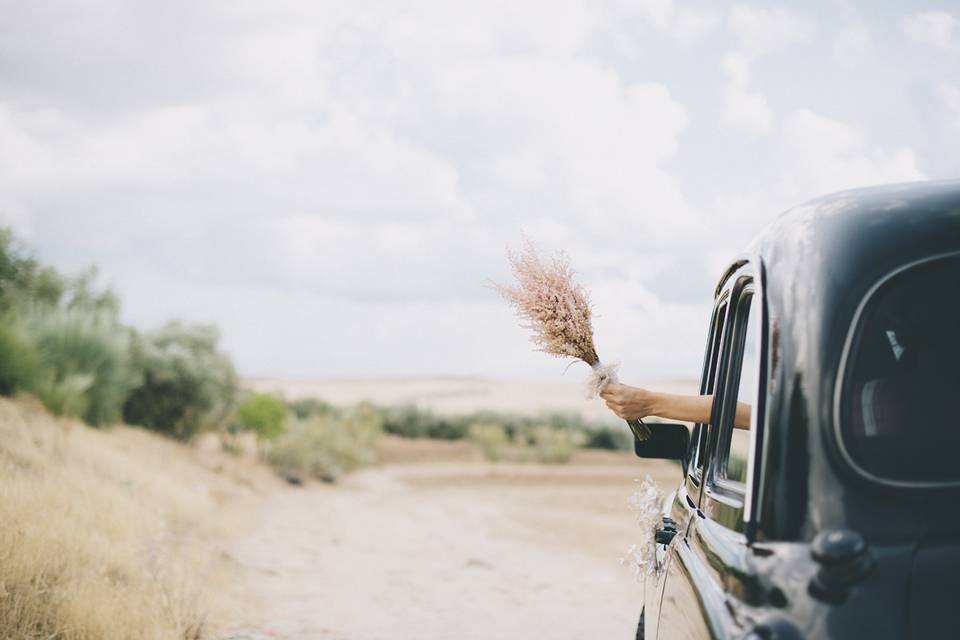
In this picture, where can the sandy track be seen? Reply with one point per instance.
(452, 550)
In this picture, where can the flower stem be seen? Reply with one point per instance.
(640, 430)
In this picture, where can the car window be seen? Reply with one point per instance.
(737, 441)
(707, 385)
(731, 452)
(898, 416)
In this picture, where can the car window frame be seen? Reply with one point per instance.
(708, 378)
(723, 494)
(730, 396)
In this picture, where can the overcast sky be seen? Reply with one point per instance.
(333, 183)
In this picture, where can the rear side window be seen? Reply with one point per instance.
(899, 411)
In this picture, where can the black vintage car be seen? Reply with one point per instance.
(836, 515)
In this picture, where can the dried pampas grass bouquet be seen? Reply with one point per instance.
(557, 310)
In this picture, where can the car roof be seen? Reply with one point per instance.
(852, 229)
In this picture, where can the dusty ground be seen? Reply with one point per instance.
(451, 548)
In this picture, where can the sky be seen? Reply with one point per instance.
(334, 183)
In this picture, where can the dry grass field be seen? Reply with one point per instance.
(117, 533)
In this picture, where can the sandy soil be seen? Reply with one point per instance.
(458, 395)
(451, 549)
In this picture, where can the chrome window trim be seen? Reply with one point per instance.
(721, 303)
(842, 374)
(746, 273)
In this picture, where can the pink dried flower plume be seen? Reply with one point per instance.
(556, 309)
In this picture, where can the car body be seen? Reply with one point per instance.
(843, 522)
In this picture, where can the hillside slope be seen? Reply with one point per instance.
(116, 533)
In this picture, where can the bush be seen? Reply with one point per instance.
(446, 428)
(20, 366)
(555, 446)
(84, 363)
(23, 280)
(185, 383)
(263, 414)
(610, 438)
(491, 438)
(309, 407)
(407, 421)
(327, 446)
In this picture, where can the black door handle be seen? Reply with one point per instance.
(665, 533)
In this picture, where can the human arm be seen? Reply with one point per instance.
(634, 402)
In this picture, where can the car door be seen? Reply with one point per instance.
(707, 559)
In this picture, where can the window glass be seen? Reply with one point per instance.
(710, 374)
(898, 406)
(735, 442)
(746, 394)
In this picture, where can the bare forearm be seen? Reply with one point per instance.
(695, 409)
(634, 402)
(742, 418)
(682, 407)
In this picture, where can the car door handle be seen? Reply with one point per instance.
(664, 534)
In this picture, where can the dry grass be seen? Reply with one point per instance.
(114, 534)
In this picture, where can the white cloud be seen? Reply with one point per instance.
(851, 44)
(737, 68)
(814, 155)
(763, 31)
(685, 24)
(747, 109)
(743, 107)
(821, 155)
(950, 95)
(933, 28)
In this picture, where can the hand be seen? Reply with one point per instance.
(628, 402)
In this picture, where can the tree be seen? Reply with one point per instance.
(186, 384)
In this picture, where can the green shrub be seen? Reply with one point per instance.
(407, 421)
(555, 446)
(20, 366)
(512, 424)
(84, 363)
(185, 383)
(327, 446)
(447, 428)
(23, 280)
(563, 421)
(263, 414)
(309, 407)
(612, 438)
(491, 438)
(410, 421)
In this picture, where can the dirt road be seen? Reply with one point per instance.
(456, 550)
